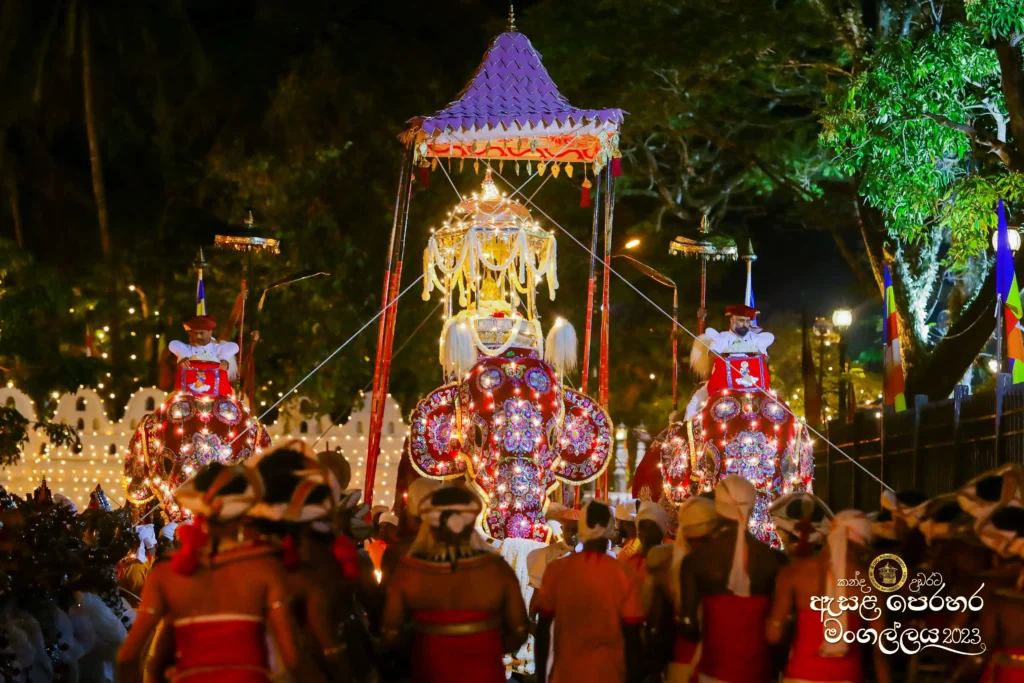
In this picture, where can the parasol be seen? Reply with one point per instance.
(705, 245)
(247, 240)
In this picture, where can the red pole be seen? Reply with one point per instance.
(385, 331)
(590, 297)
(609, 203)
(675, 349)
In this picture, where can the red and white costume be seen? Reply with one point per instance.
(221, 648)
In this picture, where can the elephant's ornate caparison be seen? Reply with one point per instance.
(505, 422)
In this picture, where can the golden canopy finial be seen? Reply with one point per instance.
(511, 17)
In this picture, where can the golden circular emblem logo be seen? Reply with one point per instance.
(888, 573)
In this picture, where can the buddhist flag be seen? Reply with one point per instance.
(749, 298)
(1009, 295)
(894, 395)
(200, 295)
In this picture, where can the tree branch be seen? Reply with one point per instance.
(998, 148)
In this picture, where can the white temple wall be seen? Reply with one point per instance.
(105, 443)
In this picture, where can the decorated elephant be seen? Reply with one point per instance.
(735, 424)
(201, 421)
(512, 430)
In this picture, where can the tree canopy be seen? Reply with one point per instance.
(889, 128)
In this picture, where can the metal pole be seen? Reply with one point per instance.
(999, 333)
(843, 407)
(590, 291)
(821, 373)
(675, 348)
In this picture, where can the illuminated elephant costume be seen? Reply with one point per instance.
(736, 424)
(199, 422)
(506, 423)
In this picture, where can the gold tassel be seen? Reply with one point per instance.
(517, 167)
(476, 167)
(433, 164)
(501, 165)
(529, 167)
(541, 167)
(568, 169)
(555, 169)
(462, 164)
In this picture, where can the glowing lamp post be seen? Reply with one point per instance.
(1012, 234)
(842, 318)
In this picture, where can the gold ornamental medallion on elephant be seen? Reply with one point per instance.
(505, 423)
(200, 421)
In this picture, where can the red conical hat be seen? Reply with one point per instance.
(201, 322)
(741, 310)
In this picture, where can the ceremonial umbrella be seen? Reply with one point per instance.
(511, 110)
(706, 245)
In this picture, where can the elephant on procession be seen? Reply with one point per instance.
(514, 432)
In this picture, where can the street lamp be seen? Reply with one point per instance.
(621, 432)
(668, 282)
(1012, 235)
(842, 318)
(633, 243)
(823, 331)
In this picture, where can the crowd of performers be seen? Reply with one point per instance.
(284, 574)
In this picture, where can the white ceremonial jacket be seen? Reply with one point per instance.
(728, 341)
(215, 351)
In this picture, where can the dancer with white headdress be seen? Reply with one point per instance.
(729, 581)
(812, 659)
(222, 590)
(463, 601)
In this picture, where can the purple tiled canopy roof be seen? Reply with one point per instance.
(511, 89)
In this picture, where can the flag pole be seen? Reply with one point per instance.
(999, 332)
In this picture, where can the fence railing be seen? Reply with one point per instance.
(933, 447)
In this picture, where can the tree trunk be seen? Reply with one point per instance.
(99, 190)
(1011, 65)
(12, 194)
(953, 356)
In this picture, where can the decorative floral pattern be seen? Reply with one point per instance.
(585, 441)
(753, 457)
(725, 408)
(489, 379)
(228, 412)
(206, 448)
(538, 380)
(180, 411)
(432, 450)
(519, 426)
(774, 411)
